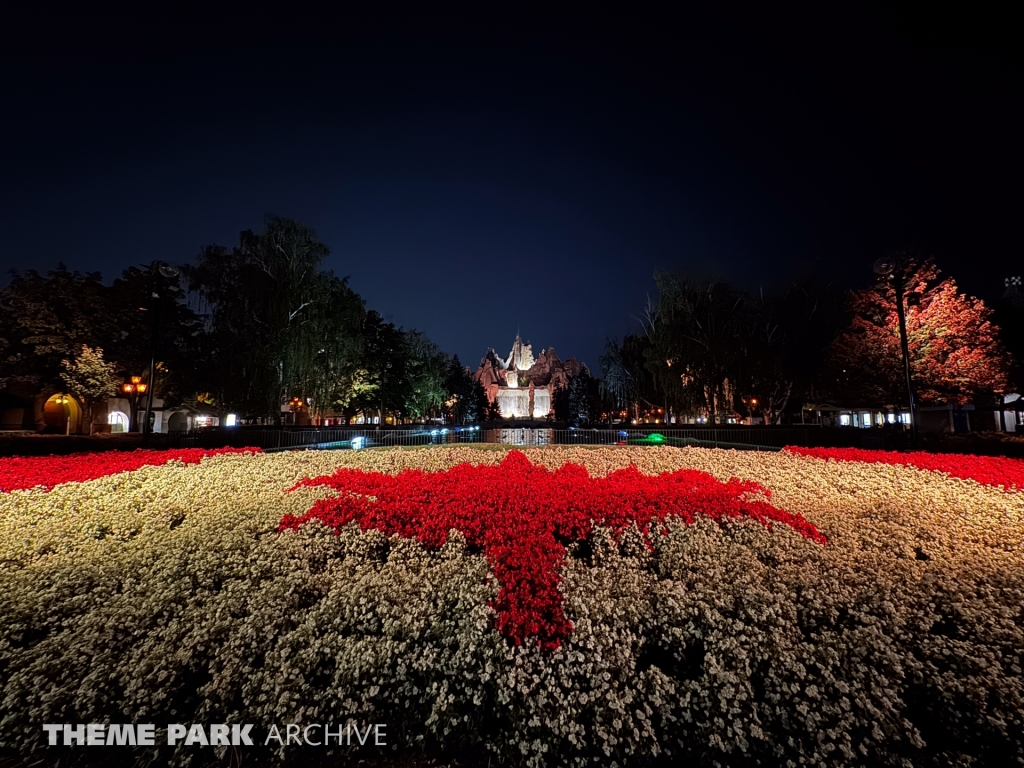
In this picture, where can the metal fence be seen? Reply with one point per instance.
(284, 439)
(736, 437)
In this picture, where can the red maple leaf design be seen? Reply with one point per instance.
(522, 516)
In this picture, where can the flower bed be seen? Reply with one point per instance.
(171, 594)
(521, 531)
(987, 470)
(22, 472)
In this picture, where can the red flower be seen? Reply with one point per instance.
(521, 515)
(987, 470)
(20, 472)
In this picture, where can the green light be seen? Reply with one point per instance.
(652, 439)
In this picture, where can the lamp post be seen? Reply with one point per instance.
(296, 405)
(161, 272)
(133, 389)
(892, 267)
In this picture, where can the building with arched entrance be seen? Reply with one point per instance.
(62, 414)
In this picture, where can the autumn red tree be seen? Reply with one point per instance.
(955, 353)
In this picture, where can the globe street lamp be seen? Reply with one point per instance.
(892, 267)
(133, 389)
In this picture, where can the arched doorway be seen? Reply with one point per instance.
(62, 415)
(118, 421)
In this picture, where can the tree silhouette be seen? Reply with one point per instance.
(467, 399)
(277, 325)
(697, 344)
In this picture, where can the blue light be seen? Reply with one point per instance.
(357, 443)
(433, 432)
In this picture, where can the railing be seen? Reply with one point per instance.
(285, 439)
(735, 437)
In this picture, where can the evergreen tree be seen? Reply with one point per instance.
(467, 399)
(583, 398)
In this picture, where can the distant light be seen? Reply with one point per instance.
(358, 443)
(231, 420)
(433, 433)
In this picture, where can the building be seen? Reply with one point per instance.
(522, 386)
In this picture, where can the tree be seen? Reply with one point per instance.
(1008, 315)
(696, 353)
(955, 353)
(627, 380)
(583, 398)
(46, 319)
(788, 335)
(383, 366)
(326, 348)
(275, 323)
(137, 300)
(492, 412)
(467, 399)
(89, 378)
(427, 369)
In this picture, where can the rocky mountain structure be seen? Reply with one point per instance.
(524, 386)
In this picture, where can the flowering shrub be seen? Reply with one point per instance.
(987, 470)
(521, 529)
(169, 595)
(22, 472)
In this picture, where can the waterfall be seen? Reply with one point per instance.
(515, 403)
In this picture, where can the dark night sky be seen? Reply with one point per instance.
(472, 175)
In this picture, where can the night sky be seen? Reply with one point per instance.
(475, 175)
